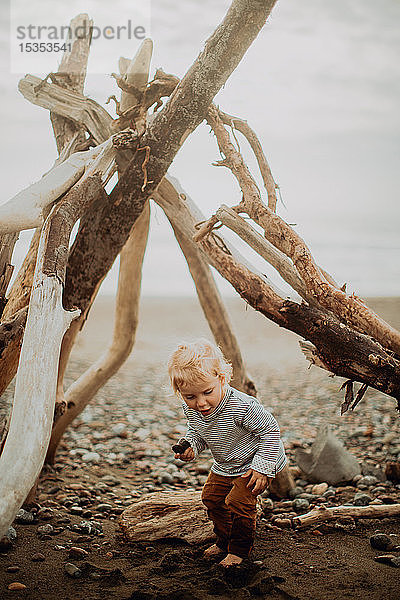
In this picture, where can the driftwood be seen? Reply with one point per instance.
(80, 109)
(344, 351)
(166, 515)
(322, 513)
(349, 309)
(28, 208)
(23, 456)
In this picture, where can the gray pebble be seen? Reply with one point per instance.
(367, 480)
(45, 529)
(294, 492)
(361, 499)
(72, 570)
(305, 496)
(91, 457)
(165, 478)
(300, 505)
(24, 517)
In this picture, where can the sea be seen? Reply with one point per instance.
(321, 87)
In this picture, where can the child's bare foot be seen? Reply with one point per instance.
(231, 559)
(213, 552)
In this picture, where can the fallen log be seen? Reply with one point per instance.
(322, 513)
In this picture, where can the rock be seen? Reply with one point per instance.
(330, 493)
(16, 585)
(368, 480)
(381, 541)
(6, 542)
(361, 499)
(305, 496)
(165, 478)
(218, 587)
(345, 523)
(24, 517)
(167, 514)
(72, 570)
(301, 505)
(319, 488)
(13, 569)
(328, 461)
(76, 510)
(120, 429)
(283, 523)
(45, 529)
(45, 513)
(77, 553)
(91, 457)
(267, 505)
(369, 469)
(388, 559)
(88, 528)
(295, 492)
(104, 507)
(38, 557)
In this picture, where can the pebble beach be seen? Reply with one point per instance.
(119, 448)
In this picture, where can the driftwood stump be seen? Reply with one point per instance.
(161, 515)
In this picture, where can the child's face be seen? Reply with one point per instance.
(205, 395)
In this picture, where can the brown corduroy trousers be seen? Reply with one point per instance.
(232, 509)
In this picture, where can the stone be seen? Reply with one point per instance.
(6, 542)
(388, 559)
(24, 517)
(13, 569)
(38, 557)
(167, 514)
(319, 488)
(88, 528)
(361, 499)
(295, 492)
(76, 510)
(77, 553)
(367, 480)
(45, 529)
(119, 429)
(381, 541)
(91, 457)
(16, 585)
(328, 461)
(165, 478)
(72, 570)
(301, 505)
(104, 507)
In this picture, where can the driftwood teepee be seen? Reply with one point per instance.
(49, 301)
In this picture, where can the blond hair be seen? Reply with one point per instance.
(196, 361)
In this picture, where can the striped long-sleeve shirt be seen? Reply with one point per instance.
(240, 433)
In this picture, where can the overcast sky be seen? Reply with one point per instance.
(321, 87)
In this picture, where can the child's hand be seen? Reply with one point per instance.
(258, 481)
(187, 455)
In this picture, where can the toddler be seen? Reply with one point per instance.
(243, 438)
